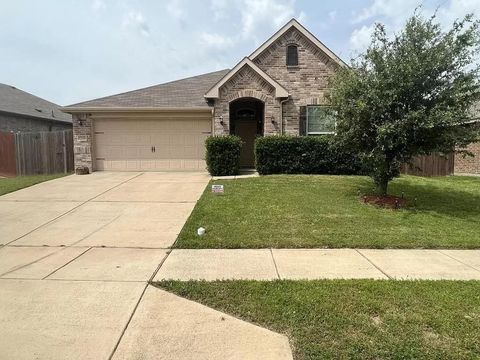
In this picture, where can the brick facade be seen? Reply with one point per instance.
(246, 83)
(306, 83)
(468, 164)
(83, 141)
(19, 123)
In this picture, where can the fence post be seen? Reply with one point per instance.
(64, 152)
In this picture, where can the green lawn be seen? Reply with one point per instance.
(355, 319)
(8, 185)
(326, 211)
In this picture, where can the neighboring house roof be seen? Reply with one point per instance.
(280, 91)
(294, 23)
(18, 102)
(185, 93)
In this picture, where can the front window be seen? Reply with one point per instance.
(292, 55)
(320, 120)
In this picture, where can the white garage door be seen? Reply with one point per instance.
(151, 144)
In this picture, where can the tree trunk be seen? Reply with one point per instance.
(382, 187)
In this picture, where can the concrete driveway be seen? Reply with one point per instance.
(75, 256)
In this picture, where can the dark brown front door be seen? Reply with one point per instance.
(247, 131)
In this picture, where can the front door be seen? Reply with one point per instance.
(246, 129)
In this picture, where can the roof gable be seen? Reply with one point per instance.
(300, 28)
(280, 91)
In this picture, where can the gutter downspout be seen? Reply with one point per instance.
(281, 114)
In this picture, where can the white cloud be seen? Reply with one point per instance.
(360, 38)
(394, 9)
(258, 13)
(219, 9)
(332, 15)
(216, 41)
(394, 14)
(98, 6)
(134, 19)
(457, 9)
(176, 10)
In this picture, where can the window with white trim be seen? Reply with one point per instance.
(320, 120)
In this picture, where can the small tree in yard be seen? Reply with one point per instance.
(408, 95)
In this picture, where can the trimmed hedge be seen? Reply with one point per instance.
(223, 155)
(304, 155)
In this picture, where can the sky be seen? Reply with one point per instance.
(68, 51)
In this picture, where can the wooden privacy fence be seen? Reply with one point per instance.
(36, 153)
(430, 165)
(8, 165)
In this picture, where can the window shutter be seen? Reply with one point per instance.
(302, 121)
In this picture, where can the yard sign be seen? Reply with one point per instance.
(218, 189)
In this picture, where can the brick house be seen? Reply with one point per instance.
(278, 89)
(469, 164)
(24, 112)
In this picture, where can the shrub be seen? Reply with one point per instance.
(223, 155)
(304, 155)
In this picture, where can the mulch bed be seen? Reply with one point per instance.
(387, 201)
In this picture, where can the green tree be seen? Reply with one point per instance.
(409, 94)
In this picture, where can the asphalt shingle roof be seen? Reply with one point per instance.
(16, 101)
(187, 92)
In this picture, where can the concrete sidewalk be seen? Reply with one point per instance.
(309, 264)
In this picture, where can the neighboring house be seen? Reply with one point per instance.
(278, 89)
(24, 112)
(470, 164)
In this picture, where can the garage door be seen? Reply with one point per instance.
(151, 144)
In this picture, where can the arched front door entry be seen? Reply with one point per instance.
(246, 121)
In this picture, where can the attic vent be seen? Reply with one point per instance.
(53, 115)
(39, 110)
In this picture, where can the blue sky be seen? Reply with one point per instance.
(68, 51)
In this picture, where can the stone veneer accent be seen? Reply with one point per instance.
(246, 83)
(83, 140)
(306, 83)
(468, 165)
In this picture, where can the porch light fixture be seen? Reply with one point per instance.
(273, 120)
(221, 120)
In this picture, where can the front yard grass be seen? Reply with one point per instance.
(326, 211)
(8, 185)
(354, 319)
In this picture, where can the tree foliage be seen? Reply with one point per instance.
(409, 94)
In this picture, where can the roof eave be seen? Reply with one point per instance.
(104, 109)
(41, 118)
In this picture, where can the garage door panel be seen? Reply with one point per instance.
(126, 144)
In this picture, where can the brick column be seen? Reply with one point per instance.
(82, 141)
